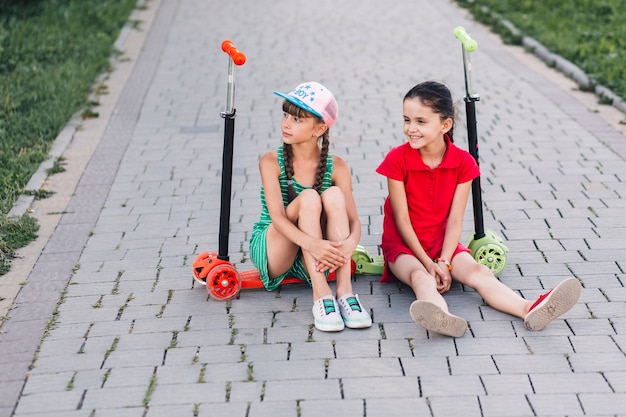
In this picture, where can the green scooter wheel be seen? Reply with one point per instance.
(492, 255)
(366, 264)
(489, 251)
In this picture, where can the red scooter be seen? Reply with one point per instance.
(214, 270)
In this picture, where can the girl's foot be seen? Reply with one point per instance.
(552, 304)
(326, 314)
(353, 313)
(433, 318)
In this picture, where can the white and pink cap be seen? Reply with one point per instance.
(314, 98)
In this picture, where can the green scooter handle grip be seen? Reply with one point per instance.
(469, 44)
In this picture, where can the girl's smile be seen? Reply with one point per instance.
(422, 126)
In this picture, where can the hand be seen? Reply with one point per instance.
(442, 277)
(328, 255)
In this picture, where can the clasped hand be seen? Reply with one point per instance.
(330, 255)
(442, 276)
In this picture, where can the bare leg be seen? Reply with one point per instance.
(309, 216)
(409, 270)
(337, 229)
(468, 272)
(304, 211)
(430, 310)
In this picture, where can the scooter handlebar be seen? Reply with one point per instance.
(235, 54)
(469, 44)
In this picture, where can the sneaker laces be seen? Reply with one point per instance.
(353, 303)
(329, 305)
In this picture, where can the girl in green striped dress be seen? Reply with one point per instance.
(309, 224)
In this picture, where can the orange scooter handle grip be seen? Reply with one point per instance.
(235, 54)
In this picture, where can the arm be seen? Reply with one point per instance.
(454, 226)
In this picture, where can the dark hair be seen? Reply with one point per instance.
(296, 111)
(436, 96)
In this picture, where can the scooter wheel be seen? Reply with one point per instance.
(492, 255)
(202, 265)
(223, 282)
(360, 258)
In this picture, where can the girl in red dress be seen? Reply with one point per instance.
(429, 181)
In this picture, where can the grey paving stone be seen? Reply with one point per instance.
(541, 344)
(497, 384)
(299, 389)
(586, 344)
(563, 383)
(196, 373)
(370, 388)
(123, 397)
(491, 345)
(590, 362)
(186, 394)
(9, 390)
(292, 369)
(472, 365)
(606, 404)
(556, 404)
(396, 406)
(265, 408)
(48, 402)
(463, 404)
(510, 405)
(547, 363)
(617, 380)
(149, 357)
(345, 407)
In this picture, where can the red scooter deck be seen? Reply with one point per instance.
(224, 282)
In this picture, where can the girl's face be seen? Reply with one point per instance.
(422, 126)
(301, 129)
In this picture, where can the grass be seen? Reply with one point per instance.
(51, 53)
(588, 33)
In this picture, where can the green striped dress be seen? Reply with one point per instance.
(258, 242)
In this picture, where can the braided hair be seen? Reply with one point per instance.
(296, 111)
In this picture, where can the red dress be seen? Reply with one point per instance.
(429, 194)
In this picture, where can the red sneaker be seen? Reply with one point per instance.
(552, 304)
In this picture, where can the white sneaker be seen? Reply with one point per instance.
(326, 314)
(353, 313)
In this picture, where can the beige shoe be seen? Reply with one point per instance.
(433, 318)
(552, 304)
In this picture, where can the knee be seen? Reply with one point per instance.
(478, 275)
(333, 200)
(310, 201)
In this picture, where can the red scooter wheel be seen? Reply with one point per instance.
(223, 282)
(202, 265)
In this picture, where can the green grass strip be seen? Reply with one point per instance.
(589, 33)
(51, 53)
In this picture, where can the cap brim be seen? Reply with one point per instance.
(299, 103)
